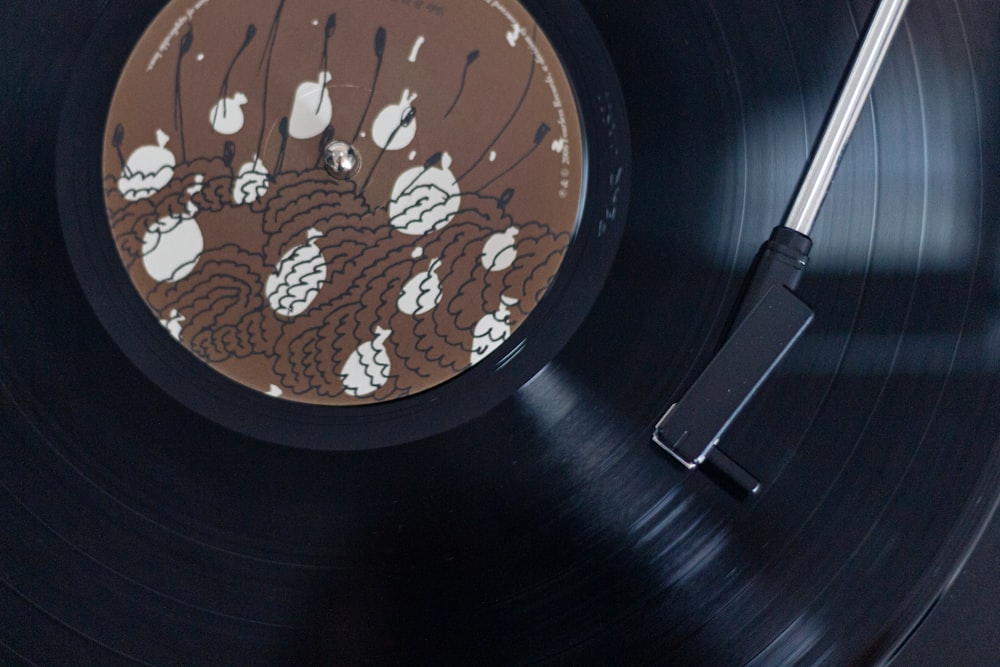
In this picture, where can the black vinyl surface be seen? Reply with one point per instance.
(551, 530)
(961, 628)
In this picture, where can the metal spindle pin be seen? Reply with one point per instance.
(341, 160)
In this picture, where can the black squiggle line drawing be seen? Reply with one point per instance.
(429, 163)
(186, 41)
(268, 54)
(228, 154)
(232, 322)
(506, 198)
(272, 36)
(513, 115)
(303, 184)
(469, 61)
(325, 140)
(224, 88)
(283, 131)
(298, 278)
(380, 41)
(543, 131)
(376, 372)
(331, 28)
(116, 143)
(431, 213)
(408, 117)
(217, 301)
(314, 356)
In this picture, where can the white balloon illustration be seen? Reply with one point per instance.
(297, 279)
(422, 293)
(425, 199)
(312, 109)
(148, 170)
(174, 324)
(367, 369)
(173, 244)
(227, 115)
(492, 331)
(251, 182)
(388, 121)
(500, 251)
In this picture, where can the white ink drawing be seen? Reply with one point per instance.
(148, 170)
(251, 182)
(227, 116)
(312, 110)
(425, 198)
(389, 131)
(422, 293)
(500, 251)
(297, 279)
(492, 331)
(173, 244)
(367, 369)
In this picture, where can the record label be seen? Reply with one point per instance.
(343, 203)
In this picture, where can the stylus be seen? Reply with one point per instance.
(770, 317)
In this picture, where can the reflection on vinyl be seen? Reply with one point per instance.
(488, 491)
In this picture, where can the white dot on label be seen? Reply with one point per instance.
(418, 253)
(315, 21)
(415, 51)
(201, 56)
(364, 135)
(493, 156)
(413, 155)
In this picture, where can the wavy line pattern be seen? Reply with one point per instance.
(293, 282)
(320, 304)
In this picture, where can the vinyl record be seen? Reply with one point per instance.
(428, 358)
(156, 511)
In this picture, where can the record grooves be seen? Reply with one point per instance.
(538, 525)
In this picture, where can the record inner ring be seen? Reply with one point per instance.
(328, 290)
